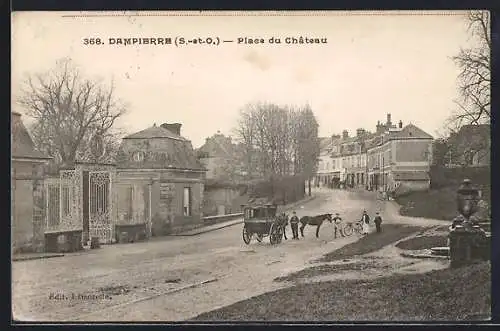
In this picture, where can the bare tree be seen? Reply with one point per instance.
(281, 138)
(74, 117)
(474, 78)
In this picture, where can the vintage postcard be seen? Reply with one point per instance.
(250, 166)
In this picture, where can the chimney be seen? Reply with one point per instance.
(400, 124)
(173, 127)
(389, 123)
(380, 128)
(360, 132)
(345, 134)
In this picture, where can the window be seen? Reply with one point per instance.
(138, 156)
(66, 201)
(187, 201)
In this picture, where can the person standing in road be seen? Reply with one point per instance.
(378, 222)
(337, 222)
(365, 221)
(294, 224)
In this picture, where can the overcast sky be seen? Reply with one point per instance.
(373, 64)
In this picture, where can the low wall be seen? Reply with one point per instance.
(209, 220)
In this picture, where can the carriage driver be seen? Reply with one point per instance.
(294, 224)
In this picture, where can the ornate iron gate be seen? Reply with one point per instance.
(63, 202)
(100, 206)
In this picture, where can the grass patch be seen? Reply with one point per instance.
(423, 242)
(431, 296)
(372, 242)
(332, 269)
(438, 204)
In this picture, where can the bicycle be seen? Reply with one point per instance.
(351, 227)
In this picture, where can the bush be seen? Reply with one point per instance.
(280, 190)
(445, 177)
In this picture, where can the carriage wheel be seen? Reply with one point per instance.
(348, 230)
(259, 237)
(272, 235)
(246, 236)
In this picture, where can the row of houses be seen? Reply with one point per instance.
(155, 184)
(395, 155)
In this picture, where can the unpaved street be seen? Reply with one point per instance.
(177, 278)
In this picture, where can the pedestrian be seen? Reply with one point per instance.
(337, 223)
(284, 223)
(365, 221)
(378, 222)
(294, 224)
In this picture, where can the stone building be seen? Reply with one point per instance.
(159, 182)
(221, 157)
(391, 156)
(27, 204)
(325, 172)
(353, 153)
(399, 157)
(218, 156)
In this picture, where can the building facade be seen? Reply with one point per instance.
(399, 159)
(327, 173)
(27, 182)
(353, 154)
(392, 157)
(159, 182)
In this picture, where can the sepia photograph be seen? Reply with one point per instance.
(230, 166)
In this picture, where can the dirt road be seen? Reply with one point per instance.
(177, 278)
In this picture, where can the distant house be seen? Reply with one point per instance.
(327, 170)
(27, 204)
(472, 145)
(160, 182)
(219, 155)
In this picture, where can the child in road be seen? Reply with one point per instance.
(337, 223)
(378, 221)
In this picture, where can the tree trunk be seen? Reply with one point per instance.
(309, 186)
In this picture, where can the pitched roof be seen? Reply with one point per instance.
(218, 146)
(154, 132)
(410, 131)
(410, 175)
(324, 143)
(22, 145)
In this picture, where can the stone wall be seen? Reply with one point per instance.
(27, 207)
(22, 215)
(213, 199)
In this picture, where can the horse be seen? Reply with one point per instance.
(314, 220)
(283, 222)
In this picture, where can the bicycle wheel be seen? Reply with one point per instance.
(359, 228)
(348, 230)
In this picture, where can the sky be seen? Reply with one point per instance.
(373, 63)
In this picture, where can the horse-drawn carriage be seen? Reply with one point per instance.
(261, 221)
